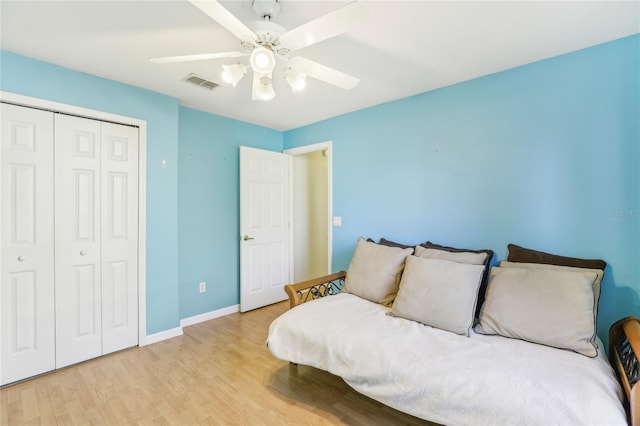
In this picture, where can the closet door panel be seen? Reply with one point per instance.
(27, 339)
(77, 240)
(119, 195)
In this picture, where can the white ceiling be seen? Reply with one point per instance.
(406, 48)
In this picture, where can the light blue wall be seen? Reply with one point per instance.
(208, 188)
(30, 77)
(546, 156)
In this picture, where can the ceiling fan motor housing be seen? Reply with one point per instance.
(268, 35)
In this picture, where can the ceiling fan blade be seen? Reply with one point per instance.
(324, 27)
(222, 16)
(323, 73)
(199, 57)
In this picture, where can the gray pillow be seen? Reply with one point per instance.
(375, 270)
(439, 293)
(549, 307)
(460, 256)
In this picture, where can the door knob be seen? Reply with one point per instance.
(82, 252)
(20, 258)
(247, 238)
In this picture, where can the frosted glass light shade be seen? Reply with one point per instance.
(297, 80)
(232, 74)
(265, 91)
(262, 60)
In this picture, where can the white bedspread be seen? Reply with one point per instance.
(443, 377)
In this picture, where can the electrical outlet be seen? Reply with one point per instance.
(203, 286)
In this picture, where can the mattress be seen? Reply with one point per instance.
(444, 377)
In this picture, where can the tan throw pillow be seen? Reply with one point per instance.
(375, 270)
(597, 284)
(549, 307)
(488, 256)
(439, 293)
(461, 257)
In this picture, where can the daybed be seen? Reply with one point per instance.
(401, 326)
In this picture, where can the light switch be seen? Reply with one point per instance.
(337, 221)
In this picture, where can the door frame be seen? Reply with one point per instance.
(306, 149)
(57, 107)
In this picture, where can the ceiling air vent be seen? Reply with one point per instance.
(202, 82)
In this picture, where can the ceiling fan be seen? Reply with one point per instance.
(267, 42)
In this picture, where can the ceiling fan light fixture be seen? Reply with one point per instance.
(297, 80)
(264, 90)
(262, 60)
(232, 74)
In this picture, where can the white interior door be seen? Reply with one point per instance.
(77, 240)
(119, 236)
(264, 227)
(27, 335)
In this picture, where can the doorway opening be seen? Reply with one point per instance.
(311, 210)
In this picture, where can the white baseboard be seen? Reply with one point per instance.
(163, 335)
(209, 315)
(175, 332)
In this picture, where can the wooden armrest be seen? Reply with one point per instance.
(313, 289)
(624, 354)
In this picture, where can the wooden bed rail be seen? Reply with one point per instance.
(624, 354)
(306, 291)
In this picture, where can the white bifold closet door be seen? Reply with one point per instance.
(96, 233)
(68, 240)
(119, 236)
(27, 317)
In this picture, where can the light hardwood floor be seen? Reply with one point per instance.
(218, 372)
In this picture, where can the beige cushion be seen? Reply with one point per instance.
(439, 293)
(597, 284)
(461, 257)
(375, 270)
(488, 257)
(550, 307)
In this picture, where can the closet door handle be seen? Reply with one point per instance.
(20, 258)
(82, 252)
(247, 238)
